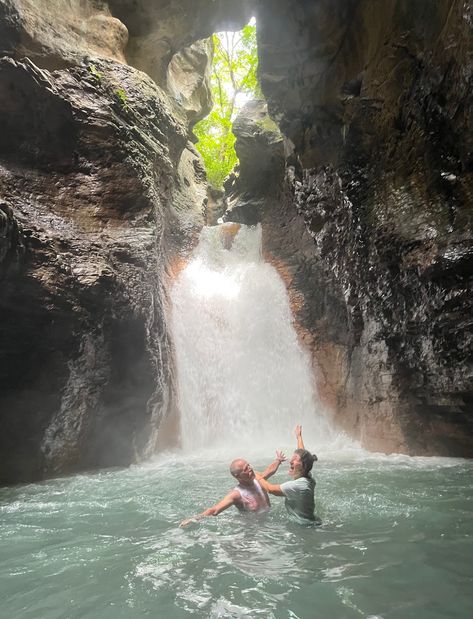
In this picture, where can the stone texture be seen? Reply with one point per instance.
(378, 107)
(307, 50)
(90, 159)
(188, 79)
(257, 178)
(216, 205)
(162, 28)
(58, 33)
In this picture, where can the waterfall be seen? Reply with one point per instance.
(243, 377)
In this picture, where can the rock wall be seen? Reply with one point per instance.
(255, 184)
(161, 28)
(101, 196)
(83, 180)
(102, 193)
(378, 108)
(57, 33)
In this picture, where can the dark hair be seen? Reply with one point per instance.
(307, 460)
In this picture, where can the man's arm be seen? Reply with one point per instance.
(271, 488)
(298, 433)
(273, 467)
(215, 510)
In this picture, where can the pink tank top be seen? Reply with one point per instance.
(253, 498)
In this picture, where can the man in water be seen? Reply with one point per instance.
(248, 495)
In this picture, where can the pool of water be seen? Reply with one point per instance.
(396, 542)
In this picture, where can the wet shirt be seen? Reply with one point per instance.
(253, 498)
(299, 495)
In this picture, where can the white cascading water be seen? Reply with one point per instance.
(243, 378)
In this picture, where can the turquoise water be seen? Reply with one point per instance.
(396, 543)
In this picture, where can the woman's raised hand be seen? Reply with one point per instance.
(298, 433)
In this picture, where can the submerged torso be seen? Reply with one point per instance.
(299, 495)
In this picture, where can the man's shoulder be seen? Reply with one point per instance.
(234, 494)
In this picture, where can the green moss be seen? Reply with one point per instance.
(268, 125)
(122, 97)
(92, 69)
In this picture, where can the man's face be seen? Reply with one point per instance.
(246, 474)
(295, 465)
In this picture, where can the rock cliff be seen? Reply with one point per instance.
(102, 193)
(255, 184)
(377, 105)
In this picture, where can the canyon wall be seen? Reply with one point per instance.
(102, 194)
(366, 211)
(373, 231)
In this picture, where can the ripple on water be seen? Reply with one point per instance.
(396, 543)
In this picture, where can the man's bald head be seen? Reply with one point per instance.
(237, 466)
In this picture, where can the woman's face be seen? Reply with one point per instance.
(295, 466)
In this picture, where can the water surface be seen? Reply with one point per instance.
(396, 543)
(396, 539)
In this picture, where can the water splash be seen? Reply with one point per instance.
(243, 377)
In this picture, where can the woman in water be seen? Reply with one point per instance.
(299, 493)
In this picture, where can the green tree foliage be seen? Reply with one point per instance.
(233, 81)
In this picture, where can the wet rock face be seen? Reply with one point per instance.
(188, 79)
(404, 337)
(60, 33)
(161, 28)
(306, 50)
(102, 196)
(258, 177)
(380, 116)
(95, 170)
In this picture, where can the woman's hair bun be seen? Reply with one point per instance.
(307, 460)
